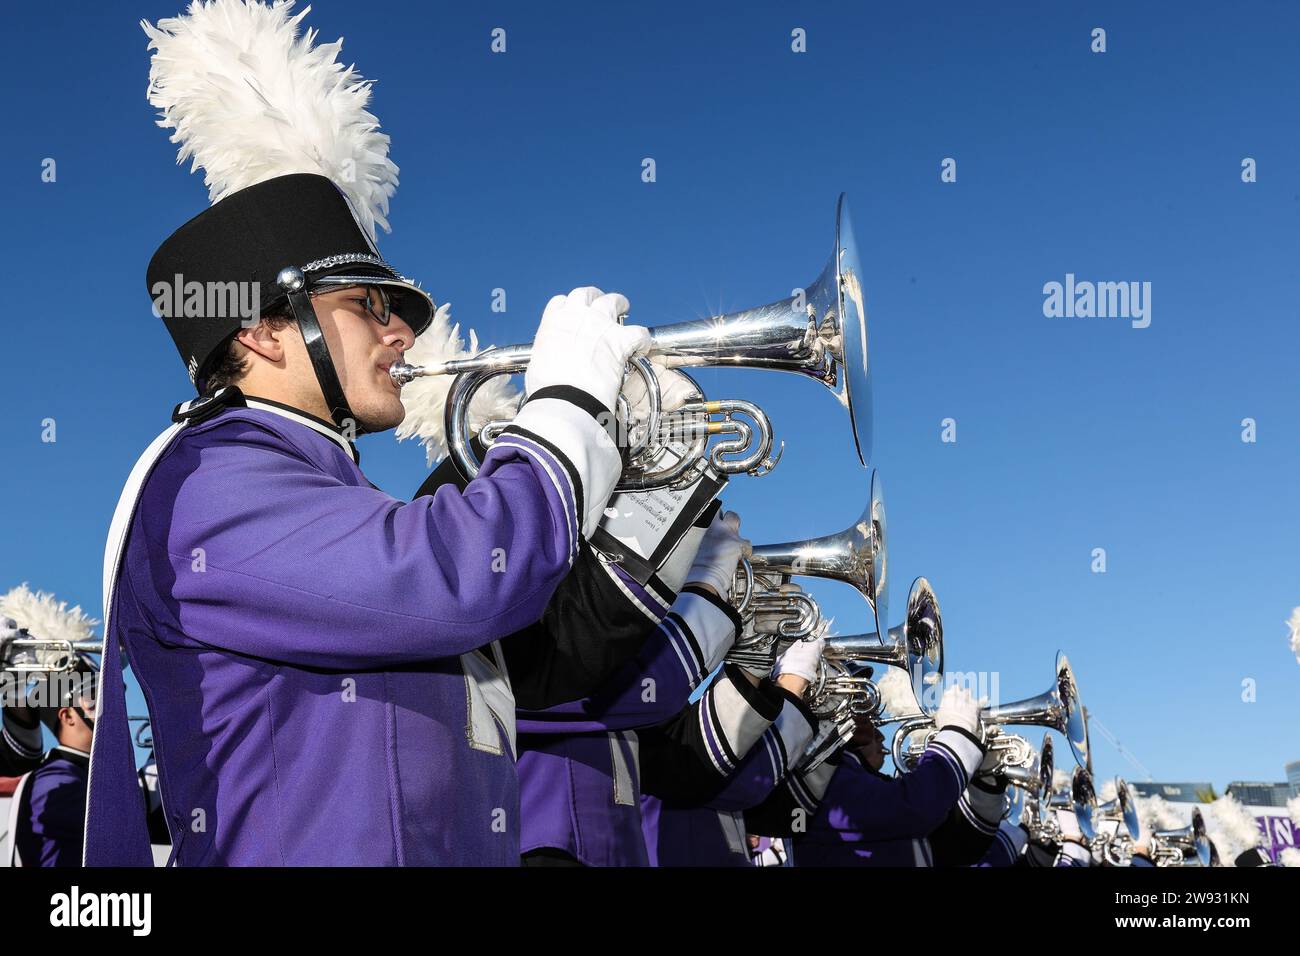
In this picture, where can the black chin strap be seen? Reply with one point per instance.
(294, 283)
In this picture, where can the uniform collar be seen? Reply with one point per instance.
(303, 418)
(72, 754)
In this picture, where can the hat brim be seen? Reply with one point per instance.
(411, 303)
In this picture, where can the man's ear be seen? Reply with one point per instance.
(266, 341)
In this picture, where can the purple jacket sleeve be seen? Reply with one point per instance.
(769, 760)
(913, 804)
(686, 760)
(964, 837)
(275, 552)
(687, 645)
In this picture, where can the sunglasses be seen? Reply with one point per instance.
(375, 301)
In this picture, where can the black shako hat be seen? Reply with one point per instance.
(219, 271)
(297, 171)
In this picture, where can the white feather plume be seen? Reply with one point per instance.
(1293, 808)
(249, 99)
(1290, 857)
(896, 695)
(1107, 791)
(1294, 624)
(44, 616)
(1231, 826)
(426, 398)
(1060, 779)
(1156, 814)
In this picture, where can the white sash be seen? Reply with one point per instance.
(113, 550)
(12, 858)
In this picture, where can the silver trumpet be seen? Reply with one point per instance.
(842, 693)
(754, 594)
(1058, 708)
(854, 556)
(820, 333)
(1116, 845)
(1081, 797)
(1185, 846)
(915, 646)
(1121, 810)
(1028, 793)
(1033, 774)
(40, 655)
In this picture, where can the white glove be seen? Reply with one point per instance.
(802, 659)
(719, 553)
(580, 343)
(1069, 824)
(958, 708)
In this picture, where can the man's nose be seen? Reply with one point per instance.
(398, 334)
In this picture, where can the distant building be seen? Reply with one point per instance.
(1293, 777)
(1260, 793)
(1174, 792)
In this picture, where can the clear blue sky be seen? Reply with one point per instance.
(522, 171)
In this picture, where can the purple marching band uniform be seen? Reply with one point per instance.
(317, 657)
(855, 816)
(49, 809)
(712, 832)
(579, 762)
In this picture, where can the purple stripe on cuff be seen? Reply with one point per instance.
(943, 752)
(685, 654)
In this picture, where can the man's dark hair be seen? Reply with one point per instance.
(81, 679)
(230, 366)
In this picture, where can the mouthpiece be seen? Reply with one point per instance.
(401, 373)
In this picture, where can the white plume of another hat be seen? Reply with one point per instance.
(250, 99)
(42, 615)
(426, 398)
(1294, 624)
(897, 697)
(1231, 826)
(1156, 814)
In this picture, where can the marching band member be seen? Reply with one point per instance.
(846, 813)
(711, 831)
(583, 800)
(318, 657)
(49, 806)
(579, 764)
(31, 615)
